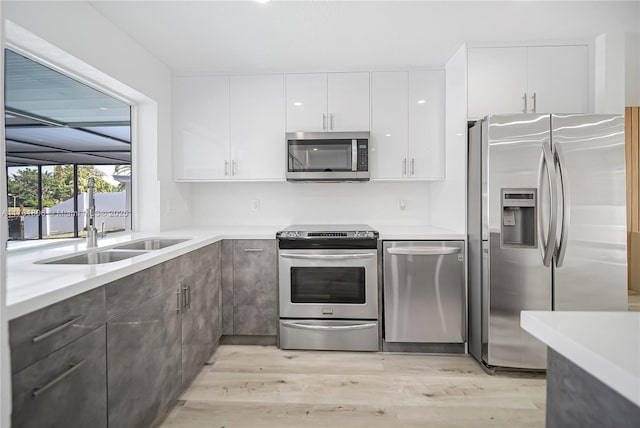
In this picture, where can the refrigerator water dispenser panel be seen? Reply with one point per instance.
(519, 222)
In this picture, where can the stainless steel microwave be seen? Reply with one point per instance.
(327, 156)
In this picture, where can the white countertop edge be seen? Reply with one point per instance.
(611, 374)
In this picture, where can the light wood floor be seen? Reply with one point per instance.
(261, 386)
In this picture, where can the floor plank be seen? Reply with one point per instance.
(262, 386)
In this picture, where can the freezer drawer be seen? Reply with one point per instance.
(333, 335)
(424, 291)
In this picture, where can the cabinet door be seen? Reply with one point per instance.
(257, 127)
(497, 80)
(65, 389)
(559, 78)
(144, 361)
(201, 326)
(348, 102)
(389, 124)
(255, 287)
(200, 127)
(306, 102)
(426, 158)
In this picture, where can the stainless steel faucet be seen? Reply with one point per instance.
(92, 231)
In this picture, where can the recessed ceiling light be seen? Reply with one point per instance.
(315, 148)
(263, 1)
(297, 104)
(387, 135)
(104, 108)
(421, 101)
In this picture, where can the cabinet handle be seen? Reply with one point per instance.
(179, 300)
(330, 121)
(413, 166)
(253, 250)
(187, 296)
(404, 167)
(524, 97)
(73, 367)
(533, 98)
(233, 167)
(55, 330)
(226, 168)
(324, 122)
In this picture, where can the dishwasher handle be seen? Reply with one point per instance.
(422, 251)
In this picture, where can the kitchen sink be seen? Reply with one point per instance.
(150, 244)
(93, 257)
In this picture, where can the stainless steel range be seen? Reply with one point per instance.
(328, 278)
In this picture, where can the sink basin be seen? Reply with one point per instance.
(150, 244)
(93, 257)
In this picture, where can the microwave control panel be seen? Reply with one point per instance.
(363, 155)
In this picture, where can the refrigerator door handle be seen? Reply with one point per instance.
(558, 155)
(548, 245)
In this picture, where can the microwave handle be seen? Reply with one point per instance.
(354, 155)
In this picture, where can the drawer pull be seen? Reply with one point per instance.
(58, 329)
(253, 250)
(73, 367)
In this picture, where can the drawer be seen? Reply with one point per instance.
(66, 389)
(126, 293)
(330, 335)
(36, 335)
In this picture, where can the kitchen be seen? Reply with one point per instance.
(431, 206)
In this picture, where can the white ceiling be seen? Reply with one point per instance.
(248, 37)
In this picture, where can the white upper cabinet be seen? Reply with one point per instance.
(306, 102)
(200, 127)
(497, 80)
(257, 128)
(389, 124)
(558, 77)
(541, 79)
(407, 125)
(426, 152)
(327, 102)
(348, 102)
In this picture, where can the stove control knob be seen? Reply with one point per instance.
(369, 234)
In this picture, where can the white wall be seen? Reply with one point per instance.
(282, 204)
(632, 71)
(610, 73)
(448, 198)
(75, 38)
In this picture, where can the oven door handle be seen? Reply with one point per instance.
(327, 256)
(423, 251)
(328, 327)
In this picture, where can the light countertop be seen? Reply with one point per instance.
(33, 286)
(605, 344)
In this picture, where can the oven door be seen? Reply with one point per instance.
(328, 284)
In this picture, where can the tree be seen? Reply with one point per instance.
(57, 186)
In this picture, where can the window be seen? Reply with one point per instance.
(59, 132)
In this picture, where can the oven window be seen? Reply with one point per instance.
(319, 155)
(328, 285)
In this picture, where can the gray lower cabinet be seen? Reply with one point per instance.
(144, 361)
(201, 316)
(65, 389)
(255, 287)
(39, 333)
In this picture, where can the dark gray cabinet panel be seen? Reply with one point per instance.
(65, 389)
(227, 287)
(201, 326)
(128, 292)
(144, 361)
(39, 333)
(255, 287)
(176, 270)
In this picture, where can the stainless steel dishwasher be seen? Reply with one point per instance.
(424, 291)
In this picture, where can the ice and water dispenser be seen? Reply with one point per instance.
(519, 210)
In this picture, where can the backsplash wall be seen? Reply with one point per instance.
(283, 203)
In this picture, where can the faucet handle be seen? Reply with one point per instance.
(102, 232)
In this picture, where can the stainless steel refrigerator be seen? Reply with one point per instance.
(546, 225)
